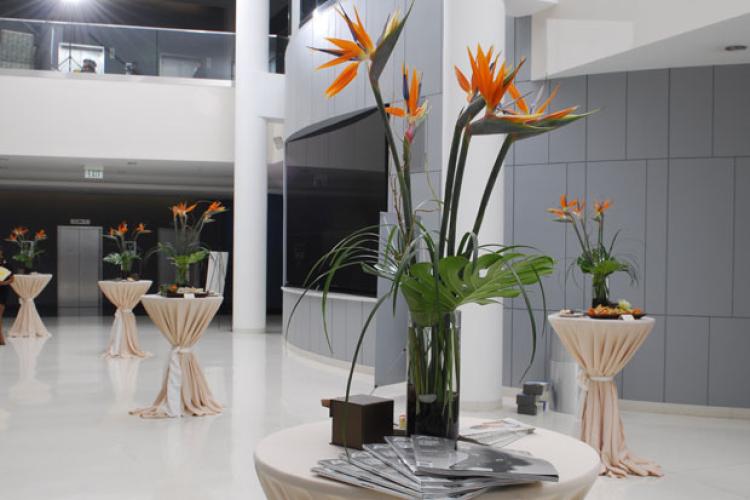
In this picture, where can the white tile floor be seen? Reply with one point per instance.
(65, 432)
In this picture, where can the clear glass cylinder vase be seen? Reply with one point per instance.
(599, 292)
(434, 370)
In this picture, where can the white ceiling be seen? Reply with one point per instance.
(119, 175)
(700, 47)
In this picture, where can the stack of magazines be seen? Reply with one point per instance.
(434, 468)
(497, 433)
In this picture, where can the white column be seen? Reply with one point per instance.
(250, 169)
(467, 23)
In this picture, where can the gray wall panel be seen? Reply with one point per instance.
(690, 106)
(699, 269)
(606, 128)
(648, 114)
(568, 144)
(533, 227)
(423, 38)
(732, 108)
(575, 283)
(686, 369)
(742, 238)
(625, 184)
(643, 377)
(522, 46)
(339, 330)
(728, 363)
(655, 266)
(507, 346)
(522, 346)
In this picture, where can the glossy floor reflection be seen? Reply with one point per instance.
(65, 432)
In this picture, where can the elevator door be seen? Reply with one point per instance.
(79, 267)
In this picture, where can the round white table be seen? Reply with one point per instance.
(283, 461)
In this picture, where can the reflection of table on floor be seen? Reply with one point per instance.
(182, 321)
(283, 461)
(602, 348)
(125, 295)
(28, 287)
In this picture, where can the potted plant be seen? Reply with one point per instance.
(187, 249)
(597, 258)
(438, 272)
(28, 248)
(127, 249)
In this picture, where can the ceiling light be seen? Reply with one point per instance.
(735, 48)
(70, 2)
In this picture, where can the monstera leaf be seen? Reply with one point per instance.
(484, 280)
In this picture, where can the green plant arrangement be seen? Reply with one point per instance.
(187, 249)
(437, 272)
(127, 249)
(597, 258)
(28, 248)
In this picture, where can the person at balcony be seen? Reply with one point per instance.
(7, 279)
(89, 66)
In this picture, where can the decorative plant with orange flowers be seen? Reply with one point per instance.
(437, 272)
(187, 248)
(597, 257)
(127, 247)
(28, 247)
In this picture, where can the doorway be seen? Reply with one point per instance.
(79, 268)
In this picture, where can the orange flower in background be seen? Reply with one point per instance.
(122, 228)
(216, 207)
(20, 231)
(141, 229)
(182, 209)
(563, 212)
(414, 112)
(602, 206)
(13, 236)
(40, 235)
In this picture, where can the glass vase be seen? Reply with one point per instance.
(434, 357)
(182, 275)
(599, 292)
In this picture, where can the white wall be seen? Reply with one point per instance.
(577, 32)
(113, 117)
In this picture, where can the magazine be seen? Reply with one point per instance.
(4, 273)
(432, 484)
(371, 463)
(343, 471)
(497, 433)
(445, 457)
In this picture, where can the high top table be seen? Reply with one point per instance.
(182, 321)
(283, 461)
(125, 295)
(28, 287)
(602, 348)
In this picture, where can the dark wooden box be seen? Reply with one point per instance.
(368, 420)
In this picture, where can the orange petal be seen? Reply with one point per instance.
(344, 79)
(462, 81)
(395, 111)
(335, 62)
(547, 102)
(520, 101)
(413, 92)
(559, 114)
(362, 34)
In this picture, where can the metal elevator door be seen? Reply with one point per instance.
(79, 267)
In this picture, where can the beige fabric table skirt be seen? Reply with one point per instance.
(184, 390)
(28, 323)
(125, 295)
(283, 461)
(602, 348)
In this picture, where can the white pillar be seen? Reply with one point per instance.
(467, 23)
(250, 169)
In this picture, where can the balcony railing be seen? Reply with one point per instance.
(123, 50)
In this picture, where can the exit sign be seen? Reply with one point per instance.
(93, 173)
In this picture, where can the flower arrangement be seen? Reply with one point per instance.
(187, 248)
(437, 272)
(127, 249)
(597, 258)
(28, 248)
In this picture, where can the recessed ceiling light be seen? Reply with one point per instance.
(69, 2)
(735, 48)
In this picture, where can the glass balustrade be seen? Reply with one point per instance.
(123, 50)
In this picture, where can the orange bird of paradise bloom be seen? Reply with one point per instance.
(40, 235)
(182, 209)
(360, 49)
(602, 206)
(20, 231)
(141, 229)
(489, 79)
(567, 207)
(122, 228)
(216, 207)
(414, 112)
(531, 114)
